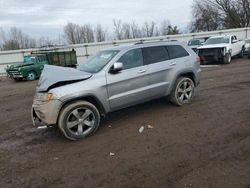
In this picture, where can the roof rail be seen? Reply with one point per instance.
(142, 41)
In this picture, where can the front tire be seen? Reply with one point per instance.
(79, 120)
(31, 76)
(227, 59)
(182, 92)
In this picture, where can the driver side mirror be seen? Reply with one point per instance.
(117, 67)
(234, 41)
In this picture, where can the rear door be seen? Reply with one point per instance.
(159, 66)
(129, 86)
(163, 64)
(238, 46)
(179, 56)
(235, 46)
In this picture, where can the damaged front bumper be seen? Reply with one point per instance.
(45, 113)
(211, 54)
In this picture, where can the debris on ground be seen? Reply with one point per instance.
(109, 126)
(141, 129)
(150, 126)
(42, 127)
(55, 158)
(112, 154)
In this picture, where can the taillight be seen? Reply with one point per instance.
(198, 60)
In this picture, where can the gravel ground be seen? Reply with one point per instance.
(204, 144)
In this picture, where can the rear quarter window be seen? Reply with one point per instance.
(176, 51)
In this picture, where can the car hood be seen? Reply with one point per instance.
(213, 46)
(54, 76)
(194, 46)
(19, 65)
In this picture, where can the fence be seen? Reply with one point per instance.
(83, 51)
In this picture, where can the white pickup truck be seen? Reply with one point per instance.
(221, 49)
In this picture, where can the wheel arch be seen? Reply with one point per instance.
(31, 70)
(188, 74)
(89, 98)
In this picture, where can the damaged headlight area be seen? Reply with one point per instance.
(44, 97)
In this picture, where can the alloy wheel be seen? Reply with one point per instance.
(185, 91)
(80, 121)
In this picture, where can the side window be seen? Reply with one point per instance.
(176, 51)
(131, 59)
(40, 58)
(155, 54)
(232, 38)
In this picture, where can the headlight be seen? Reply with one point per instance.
(19, 69)
(45, 97)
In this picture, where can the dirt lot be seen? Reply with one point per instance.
(205, 144)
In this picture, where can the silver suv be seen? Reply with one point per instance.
(75, 99)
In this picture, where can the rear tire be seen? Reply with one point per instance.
(183, 91)
(79, 120)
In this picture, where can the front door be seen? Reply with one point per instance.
(127, 87)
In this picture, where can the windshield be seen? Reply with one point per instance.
(194, 42)
(28, 59)
(218, 40)
(98, 61)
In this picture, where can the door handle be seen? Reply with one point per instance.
(172, 64)
(141, 71)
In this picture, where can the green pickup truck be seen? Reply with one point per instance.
(33, 64)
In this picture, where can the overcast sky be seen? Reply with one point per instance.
(47, 17)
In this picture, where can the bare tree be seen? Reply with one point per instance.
(157, 31)
(216, 14)
(16, 39)
(117, 29)
(206, 16)
(135, 30)
(87, 32)
(45, 42)
(71, 31)
(2, 38)
(126, 31)
(149, 29)
(164, 27)
(100, 33)
(235, 13)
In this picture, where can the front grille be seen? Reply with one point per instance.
(210, 52)
(13, 72)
